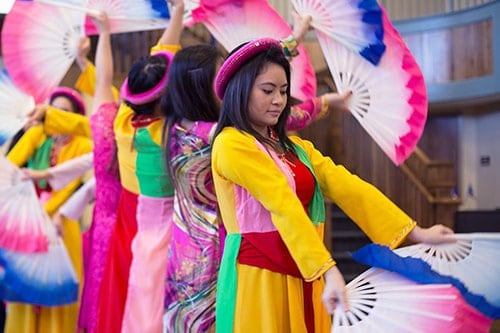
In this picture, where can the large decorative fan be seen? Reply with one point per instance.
(472, 260)
(389, 100)
(355, 24)
(39, 44)
(417, 270)
(14, 107)
(383, 301)
(189, 6)
(235, 22)
(124, 15)
(46, 278)
(23, 221)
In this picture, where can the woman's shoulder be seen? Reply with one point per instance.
(233, 135)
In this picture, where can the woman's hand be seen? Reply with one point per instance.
(334, 292)
(83, 52)
(301, 25)
(57, 221)
(338, 102)
(35, 175)
(433, 235)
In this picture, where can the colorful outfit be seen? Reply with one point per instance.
(108, 187)
(42, 151)
(144, 179)
(194, 251)
(270, 279)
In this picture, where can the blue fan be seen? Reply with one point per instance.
(356, 24)
(472, 260)
(124, 15)
(14, 107)
(44, 278)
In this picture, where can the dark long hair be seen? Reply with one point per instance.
(144, 75)
(190, 88)
(235, 105)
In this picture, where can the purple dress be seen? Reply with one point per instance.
(104, 215)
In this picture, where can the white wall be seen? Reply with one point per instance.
(479, 137)
(488, 177)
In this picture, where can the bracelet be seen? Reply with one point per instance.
(289, 45)
(324, 107)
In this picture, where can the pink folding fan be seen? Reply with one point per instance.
(39, 44)
(390, 99)
(235, 22)
(383, 301)
(24, 224)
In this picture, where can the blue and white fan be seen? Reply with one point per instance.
(14, 107)
(43, 278)
(356, 24)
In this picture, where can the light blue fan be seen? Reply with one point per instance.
(124, 15)
(14, 107)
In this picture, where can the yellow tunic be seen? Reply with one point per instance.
(246, 176)
(25, 318)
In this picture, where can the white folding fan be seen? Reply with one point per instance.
(235, 22)
(44, 278)
(389, 100)
(355, 24)
(14, 107)
(124, 15)
(189, 6)
(39, 44)
(473, 259)
(385, 302)
(24, 224)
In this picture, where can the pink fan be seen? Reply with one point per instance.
(14, 107)
(39, 44)
(235, 22)
(389, 100)
(124, 16)
(24, 224)
(383, 301)
(355, 24)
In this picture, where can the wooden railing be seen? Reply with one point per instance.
(431, 188)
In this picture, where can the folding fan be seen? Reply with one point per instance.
(235, 22)
(417, 270)
(23, 221)
(46, 278)
(39, 44)
(355, 24)
(189, 6)
(383, 301)
(14, 107)
(389, 100)
(473, 259)
(124, 15)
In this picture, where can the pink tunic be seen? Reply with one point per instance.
(106, 202)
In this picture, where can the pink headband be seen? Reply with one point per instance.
(238, 58)
(153, 93)
(71, 94)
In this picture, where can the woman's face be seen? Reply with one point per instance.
(268, 98)
(62, 103)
